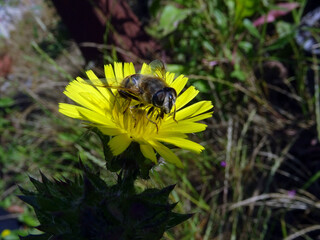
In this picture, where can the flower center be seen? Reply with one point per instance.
(138, 121)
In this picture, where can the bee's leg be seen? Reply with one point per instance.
(128, 105)
(138, 105)
(160, 114)
(151, 112)
(174, 114)
(136, 108)
(153, 123)
(123, 94)
(129, 96)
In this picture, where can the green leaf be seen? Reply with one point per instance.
(201, 86)
(207, 45)
(171, 17)
(245, 8)
(220, 19)
(284, 28)
(6, 102)
(239, 75)
(280, 43)
(29, 220)
(175, 68)
(245, 46)
(251, 28)
(219, 73)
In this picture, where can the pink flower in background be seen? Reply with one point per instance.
(223, 164)
(210, 63)
(292, 193)
(273, 14)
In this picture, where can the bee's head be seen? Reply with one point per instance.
(165, 99)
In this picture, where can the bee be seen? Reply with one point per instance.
(150, 90)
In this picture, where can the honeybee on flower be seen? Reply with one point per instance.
(158, 114)
(147, 90)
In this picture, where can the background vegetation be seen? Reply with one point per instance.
(257, 179)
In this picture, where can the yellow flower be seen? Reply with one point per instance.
(5, 233)
(105, 109)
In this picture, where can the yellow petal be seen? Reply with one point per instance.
(148, 152)
(108, 71)
(75, 91)
(166, 153)
(200, 117)
(183, 126)
(169, 78)
(109, 130)
(91, 75)
(96, 103)
(100, 85)
(183, 143)
(118, 71)
(79, 80)
(186, 97)
(119, 143)
(179, 83)
(194, 110)
(169, 134)
(73, 111)
(95, 117)
(94, 79)
(70, 110)
(128, 69)
(145, 69)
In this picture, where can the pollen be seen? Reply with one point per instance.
(136, 121)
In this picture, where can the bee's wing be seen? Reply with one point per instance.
(112, 85)
(158, 69)
(103, 82)
(100, 82)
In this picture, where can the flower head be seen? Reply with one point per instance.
(5, 232)
(292, 193)
(223, 164)
(128, 121)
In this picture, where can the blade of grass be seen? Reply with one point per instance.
(51, 61)
(315, 68)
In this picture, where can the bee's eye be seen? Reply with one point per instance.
(158, 98)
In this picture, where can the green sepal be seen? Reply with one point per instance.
(156, 195)
(37, 237)
(177, 218)
(88, 208)
(38, 185)
(132, 159)
(24, 191)
(31, 200)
